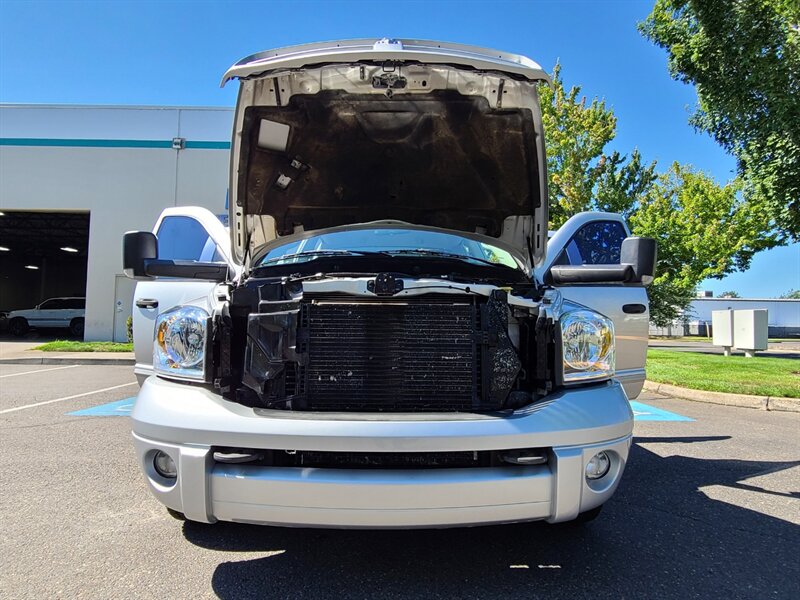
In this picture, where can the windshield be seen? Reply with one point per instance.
(390, 242)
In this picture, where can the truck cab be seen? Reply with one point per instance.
(385, 336)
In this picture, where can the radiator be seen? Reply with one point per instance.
(412, 355)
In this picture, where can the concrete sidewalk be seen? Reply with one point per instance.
(20, 352)
(772, 403)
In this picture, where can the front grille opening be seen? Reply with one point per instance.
(384, 356)
(371, 460)
(435, 353)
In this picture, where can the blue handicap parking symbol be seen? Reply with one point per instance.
(120, 408)
(645, 412)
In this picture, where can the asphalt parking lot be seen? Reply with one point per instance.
(708, 507)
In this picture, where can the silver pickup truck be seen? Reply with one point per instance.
(386, 335)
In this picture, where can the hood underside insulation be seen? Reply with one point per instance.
(440, 159)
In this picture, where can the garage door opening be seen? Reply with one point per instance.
(43, 256)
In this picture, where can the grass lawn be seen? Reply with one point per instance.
(759, 376)
(75, 346)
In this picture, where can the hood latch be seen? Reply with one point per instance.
(385, 284)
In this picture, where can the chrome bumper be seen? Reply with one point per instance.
(187, 421)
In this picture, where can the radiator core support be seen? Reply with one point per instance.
(340, 352)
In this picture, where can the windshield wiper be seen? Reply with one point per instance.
(390, 253)
(441, 254)
(317, 253)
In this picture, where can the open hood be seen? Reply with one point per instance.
(427, 133)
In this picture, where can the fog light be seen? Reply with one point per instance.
(164, 465)
(598, 466)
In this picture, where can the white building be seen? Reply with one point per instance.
(783, 315)
(79, 177)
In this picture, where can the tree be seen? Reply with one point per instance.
(575, 135)
(622, 186)
(743, 57)
(730, 294)
(704, 230)
(791, 295)
(580, 175)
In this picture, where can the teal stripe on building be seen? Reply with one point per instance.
(80, 143)
(208, 145)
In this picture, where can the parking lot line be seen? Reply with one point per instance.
(34, 405)
(39, 371)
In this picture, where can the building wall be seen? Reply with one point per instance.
(783, 316)
(117, 163)
(781, 313)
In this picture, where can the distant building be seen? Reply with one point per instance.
(784, 316)
(73, 179)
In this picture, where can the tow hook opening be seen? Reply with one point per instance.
(531, 456)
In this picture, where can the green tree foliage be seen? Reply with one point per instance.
(743, 56)
(704, 230)
(730, 294)
(622, 184)
(791, 295)
(580, 176)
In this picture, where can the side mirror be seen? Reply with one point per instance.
(137, 248)
(637, 265)
(642, 254)
(140, 261)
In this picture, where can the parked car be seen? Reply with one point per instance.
(386, 338)
(61, 313)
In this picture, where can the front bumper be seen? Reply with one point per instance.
(187, 422)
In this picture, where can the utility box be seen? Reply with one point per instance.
(722, 328)
(750, 330)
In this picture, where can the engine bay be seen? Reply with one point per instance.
(384, 343)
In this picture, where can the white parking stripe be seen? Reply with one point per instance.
(39, 371)
(108, 389)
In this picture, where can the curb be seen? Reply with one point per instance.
(65, 360)
(740, 400)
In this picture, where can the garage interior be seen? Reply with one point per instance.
(42, 255)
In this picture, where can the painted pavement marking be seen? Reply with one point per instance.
(38, 371)
(645, 412)
(35, 404)
(120, 408)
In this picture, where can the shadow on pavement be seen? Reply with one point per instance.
(658, 537)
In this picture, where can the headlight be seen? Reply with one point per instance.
(179, 349)
(587, 340)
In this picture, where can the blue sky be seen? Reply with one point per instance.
(174, 53)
